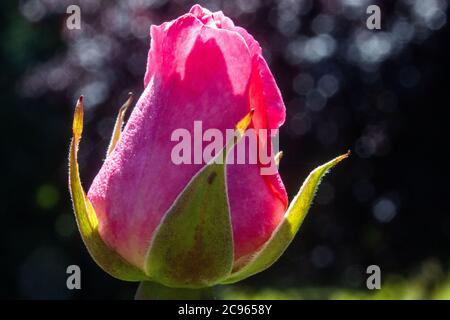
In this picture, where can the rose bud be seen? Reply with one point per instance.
(146, 218)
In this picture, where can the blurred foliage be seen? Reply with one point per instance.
(430, 283)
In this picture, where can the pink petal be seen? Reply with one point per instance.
(200, 67)
(257, 203)
(202, 76)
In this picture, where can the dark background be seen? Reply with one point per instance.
(383, 94)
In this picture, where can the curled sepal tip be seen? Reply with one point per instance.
(278, 158)
(243, 124)
(286, 231)
(119, 123)
(77, 125)
(86, 217)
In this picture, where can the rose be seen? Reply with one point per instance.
(200, 67)
(191, 225)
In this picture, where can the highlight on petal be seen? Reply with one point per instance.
(171, 44)
(288, 228)
(265, 96)
(193, 245)
(86, 217)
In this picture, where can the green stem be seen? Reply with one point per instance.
(153, 291)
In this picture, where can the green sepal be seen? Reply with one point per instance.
(193, 245)
(288, 228)
(86, 218)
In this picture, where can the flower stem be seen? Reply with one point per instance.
(153, 291)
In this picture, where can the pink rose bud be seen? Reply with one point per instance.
(147, 217)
